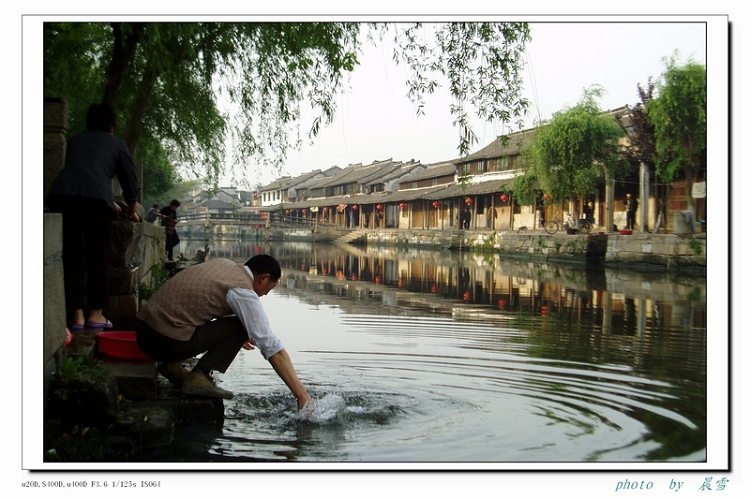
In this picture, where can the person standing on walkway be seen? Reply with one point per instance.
(169, 221)
(213, 308)
(631, 205)
(82, 193)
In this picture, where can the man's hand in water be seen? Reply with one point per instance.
(308, 410)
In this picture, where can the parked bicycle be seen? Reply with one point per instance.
(554, 225)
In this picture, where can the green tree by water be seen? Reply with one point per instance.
(573, 153)
(679, 117)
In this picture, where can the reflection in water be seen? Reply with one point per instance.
(460, 357)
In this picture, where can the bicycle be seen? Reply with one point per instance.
(554, 225)
(586, 224)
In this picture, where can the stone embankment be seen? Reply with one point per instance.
(636, 251)
(101, 409)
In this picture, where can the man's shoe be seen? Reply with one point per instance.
(197, 383)
(173, 371)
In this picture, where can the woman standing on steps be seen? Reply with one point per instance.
(82, 192)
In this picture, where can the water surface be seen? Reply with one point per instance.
(435, 357)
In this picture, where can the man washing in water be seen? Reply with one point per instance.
(214, 309)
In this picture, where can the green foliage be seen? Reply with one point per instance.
(678, 115)
(576, 150)
(158, 276)
(159, 175)
(70, 366)
(526, 188)
(174, 84)
(75, 368)
(696, 246)
(483, 63)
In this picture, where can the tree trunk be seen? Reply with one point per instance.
(122, 54)
(134, 127)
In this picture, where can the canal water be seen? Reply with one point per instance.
(453, 358)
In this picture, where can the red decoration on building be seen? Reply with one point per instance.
(325, 208)
(436, 204)
(468, 201)
(379, 207)
(402, 205)
(355, 207)
(504, 198)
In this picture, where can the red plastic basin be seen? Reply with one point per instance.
(121, 345)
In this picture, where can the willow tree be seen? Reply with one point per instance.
(576, 151)
(173, 82)
(678, 115)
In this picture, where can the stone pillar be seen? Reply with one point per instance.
(609, 199)
(53, 296)
(55, 141)
(644, 195)
(53, 292)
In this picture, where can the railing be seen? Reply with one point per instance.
(254, 219)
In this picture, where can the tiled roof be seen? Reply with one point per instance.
(287, 182)
(506, 145)
(354, 174)
(434, 170)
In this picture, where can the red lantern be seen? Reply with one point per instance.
(304, 211)
(468, 201)
(325, 208)
(355, 207)
(467, 296)
(379, 207)
(436, 204)
(402, 205)
(378, 279)
(504, 198)
(288, 212)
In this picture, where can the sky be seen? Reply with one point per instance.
(375, 120)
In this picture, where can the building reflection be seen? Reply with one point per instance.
(592, 314)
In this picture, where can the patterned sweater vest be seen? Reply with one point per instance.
(194, 297)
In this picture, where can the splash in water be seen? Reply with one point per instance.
(328, 408)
